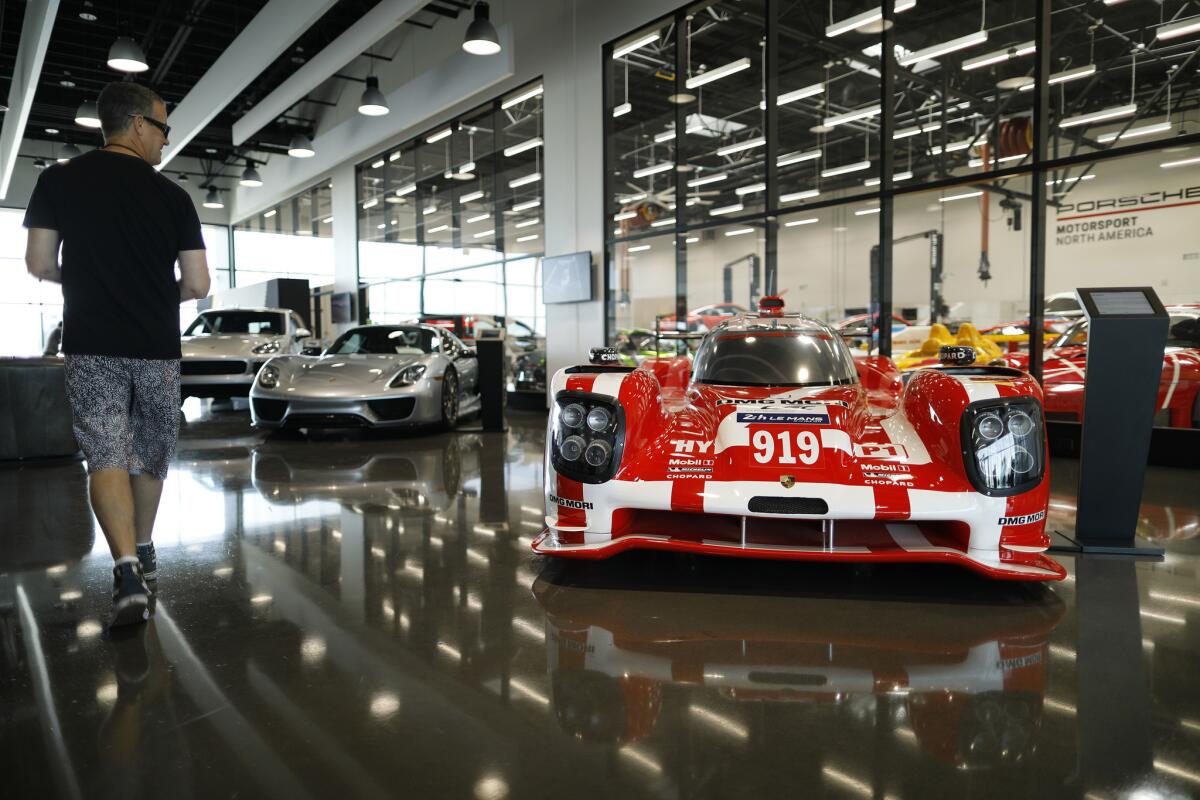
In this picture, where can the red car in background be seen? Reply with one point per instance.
(704, 318)
(1065, 370)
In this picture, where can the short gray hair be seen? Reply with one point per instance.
(118, 100)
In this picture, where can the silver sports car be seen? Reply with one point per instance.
(376, 376)
(224, 348)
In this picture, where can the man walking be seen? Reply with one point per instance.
(122, 226)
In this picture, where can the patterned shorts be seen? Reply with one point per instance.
(126, 411)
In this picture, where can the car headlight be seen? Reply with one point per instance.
(586, 436)
(1004, 445)
(268, 377)
(267, 347)
(408, 376)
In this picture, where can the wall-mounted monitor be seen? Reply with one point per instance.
(567, 279)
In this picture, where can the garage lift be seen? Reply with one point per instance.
(938, 310)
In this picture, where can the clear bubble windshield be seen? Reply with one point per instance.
(774, 355)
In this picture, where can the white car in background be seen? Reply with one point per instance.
(224, 348)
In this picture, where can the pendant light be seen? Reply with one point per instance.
(373, 103)
(251, 177)
(301, 147)
(126, 56)
(213, 198)
(68, 152)
(88, 114)
(481, 38)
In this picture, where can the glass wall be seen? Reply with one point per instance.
(746, 146)
(291, 240)
(450, 222)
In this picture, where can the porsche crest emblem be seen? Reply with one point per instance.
(787, 481)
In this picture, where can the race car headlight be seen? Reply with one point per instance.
(408, 376)
(266, 348)
(1004, 445)
(268, 377)
(586, 436)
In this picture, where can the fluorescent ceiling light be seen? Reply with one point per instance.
(857, 166)
(630, 198)
(701, 181)
(483, 234)
(653, 170)
(634, 44)
(718, 72)
(467, 198)
(527, 223)
(796, 158)
(394, 156)
(528, 144)
(739, 232)
(952, 147)
(528, 204)
(862, 212)
(523, 96)
(1133, 133)
(795, 222)
(850, 116)
(529, 237)
(467, 168)
(1097, 116)
(662, 223)
(753, 188)
(429, 209)
(525, 180)
(865, 18)
(327, 220)
(1087, 177)
(406, 189)
(438, 229)
(665, 136)
(271, 213)
(962, 196)
(739, 146)
(733, 209)
(927, 53)
(979, 162)
(691, 240)
(807, 194)
(624, 215)
(1174, 29)
(622, 110)
(1181, 163)
(799, 94)
(995, 57)
(437, 137)
(378, 164)
(928, 127)
(1066, 75)
(478, 218)
(374, 201)
(381, 225)
(641, 248)
(896, 178)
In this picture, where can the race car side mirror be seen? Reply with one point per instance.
(603, 356)
(954, 355)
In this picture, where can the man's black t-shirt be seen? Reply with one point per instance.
(122, 226)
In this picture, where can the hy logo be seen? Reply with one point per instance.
(690, 445)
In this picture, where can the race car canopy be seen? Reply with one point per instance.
(770, 306)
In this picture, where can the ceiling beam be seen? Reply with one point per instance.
(264, 39)
(27, 71)
(373, 26)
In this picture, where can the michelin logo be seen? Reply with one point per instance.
(582, 505)
(784, 418)
(1023, 520)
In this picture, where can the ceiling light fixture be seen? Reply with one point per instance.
(378, 164)
(979, 162)
(271, 213)
(630, 198)
(807, 194)
(126, 56)
(88, 114)
(394, 156)
(1133, 133)
(528, 204)
(1075, 74)
(652, 170)
(662, 223)
(372, 103)
(527, 223)
(1098, 116)
(739, 232)
(478, 218)
(896, 178)
(529, 237)
(484, 234)
(1183, 162)
(634, 44)
(70, 151)
(1173, 30)
(250, 176)
(844, 169)
(927, 53)
(733, 209)
(796, 222)
(799, 94)
(904, 133)
(737, 147)
(753, 188)
(850, 116)
(213, 199)
(665, 136)
(1073, 179)
(998, 56)
(438, 229)
(406, 189)
(438, 136)
(706, 179)
(641, 248)
(952, 147)
(622, 110)
(865, 18)
(718, 72)
(301, 147)
(369, 204)
(528, 144)
(862, 212)
(963, 196)
(481, 38)
(429, 209)
(624, 215)
(796, 158)
(467, 198)
(521, 97)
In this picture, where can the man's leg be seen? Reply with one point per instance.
(113, 503)
(147, 489)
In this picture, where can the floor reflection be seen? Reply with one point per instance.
(352, 614)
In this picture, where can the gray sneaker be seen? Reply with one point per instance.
(131, 596)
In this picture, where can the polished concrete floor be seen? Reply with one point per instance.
(361, 616)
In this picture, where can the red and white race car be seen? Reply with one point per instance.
(782, 445)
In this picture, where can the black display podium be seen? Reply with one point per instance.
(489, 346)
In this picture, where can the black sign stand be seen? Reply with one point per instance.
(1127, 332)
(492, 394)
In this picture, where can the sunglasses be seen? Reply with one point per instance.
(162, 126)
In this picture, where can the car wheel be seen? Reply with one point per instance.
(449, 400)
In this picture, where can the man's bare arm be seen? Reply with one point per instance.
(41, 254)
(194, 282)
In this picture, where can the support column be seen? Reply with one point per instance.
(1041, 127)
(344, 202)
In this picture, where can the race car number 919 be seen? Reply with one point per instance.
(792, 447)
